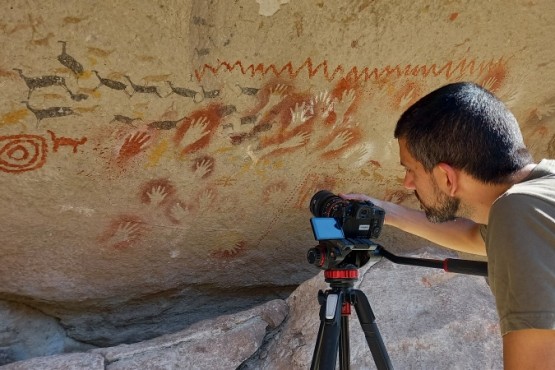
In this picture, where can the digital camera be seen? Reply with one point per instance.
(357, 219)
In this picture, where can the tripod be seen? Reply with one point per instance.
(336, 302)
(333, 334)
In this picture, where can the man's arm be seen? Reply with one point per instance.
(462, 235)
(529, 349)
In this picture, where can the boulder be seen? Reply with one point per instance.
(26, 333)
(72, 361)
(221, 343)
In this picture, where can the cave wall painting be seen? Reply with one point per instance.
(268, 127)
(23, 152)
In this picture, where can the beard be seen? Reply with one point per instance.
(445, 207)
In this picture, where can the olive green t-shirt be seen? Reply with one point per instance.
(520, 244)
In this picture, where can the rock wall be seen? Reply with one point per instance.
(157, 158)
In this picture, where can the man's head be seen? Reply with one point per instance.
(460, 127)
(437, 205)
(468, 128)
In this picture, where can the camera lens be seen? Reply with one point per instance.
(326, 204)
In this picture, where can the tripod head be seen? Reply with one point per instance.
(342, 253)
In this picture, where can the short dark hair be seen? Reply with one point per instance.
(467, 127)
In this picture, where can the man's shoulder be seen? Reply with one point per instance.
(545, 168)
(540, 182)
(534, 194)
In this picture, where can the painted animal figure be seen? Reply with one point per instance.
(50, 112)
(112, 84)
(65, 141)
(34, 83)
(188, 93)
(143, 89)
(70, 62)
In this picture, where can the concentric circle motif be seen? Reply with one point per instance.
(20, 153)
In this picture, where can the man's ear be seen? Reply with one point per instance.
(447, 178)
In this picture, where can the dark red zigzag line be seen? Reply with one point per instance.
(448, 69)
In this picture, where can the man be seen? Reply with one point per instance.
(481, 193)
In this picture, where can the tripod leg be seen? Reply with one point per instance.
(370, 329)
(318, 347)
(344, 348)
(327, 342)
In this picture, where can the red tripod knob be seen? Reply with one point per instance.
(341, 274)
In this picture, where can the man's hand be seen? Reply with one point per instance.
(363, 198)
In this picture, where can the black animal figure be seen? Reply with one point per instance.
(165, 125)
(248, 90)
(124, 119)
(77, 97)
(34, 83)
(226, 110)
(210, 94)
(188, 93)
(50, 112)
(141, 89)
(70, 62)
(112, 84)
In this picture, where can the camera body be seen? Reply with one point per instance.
(344, 229)
(357, 219)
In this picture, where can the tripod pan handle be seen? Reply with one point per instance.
(466, 267)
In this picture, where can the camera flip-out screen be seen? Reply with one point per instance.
(326, 228)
